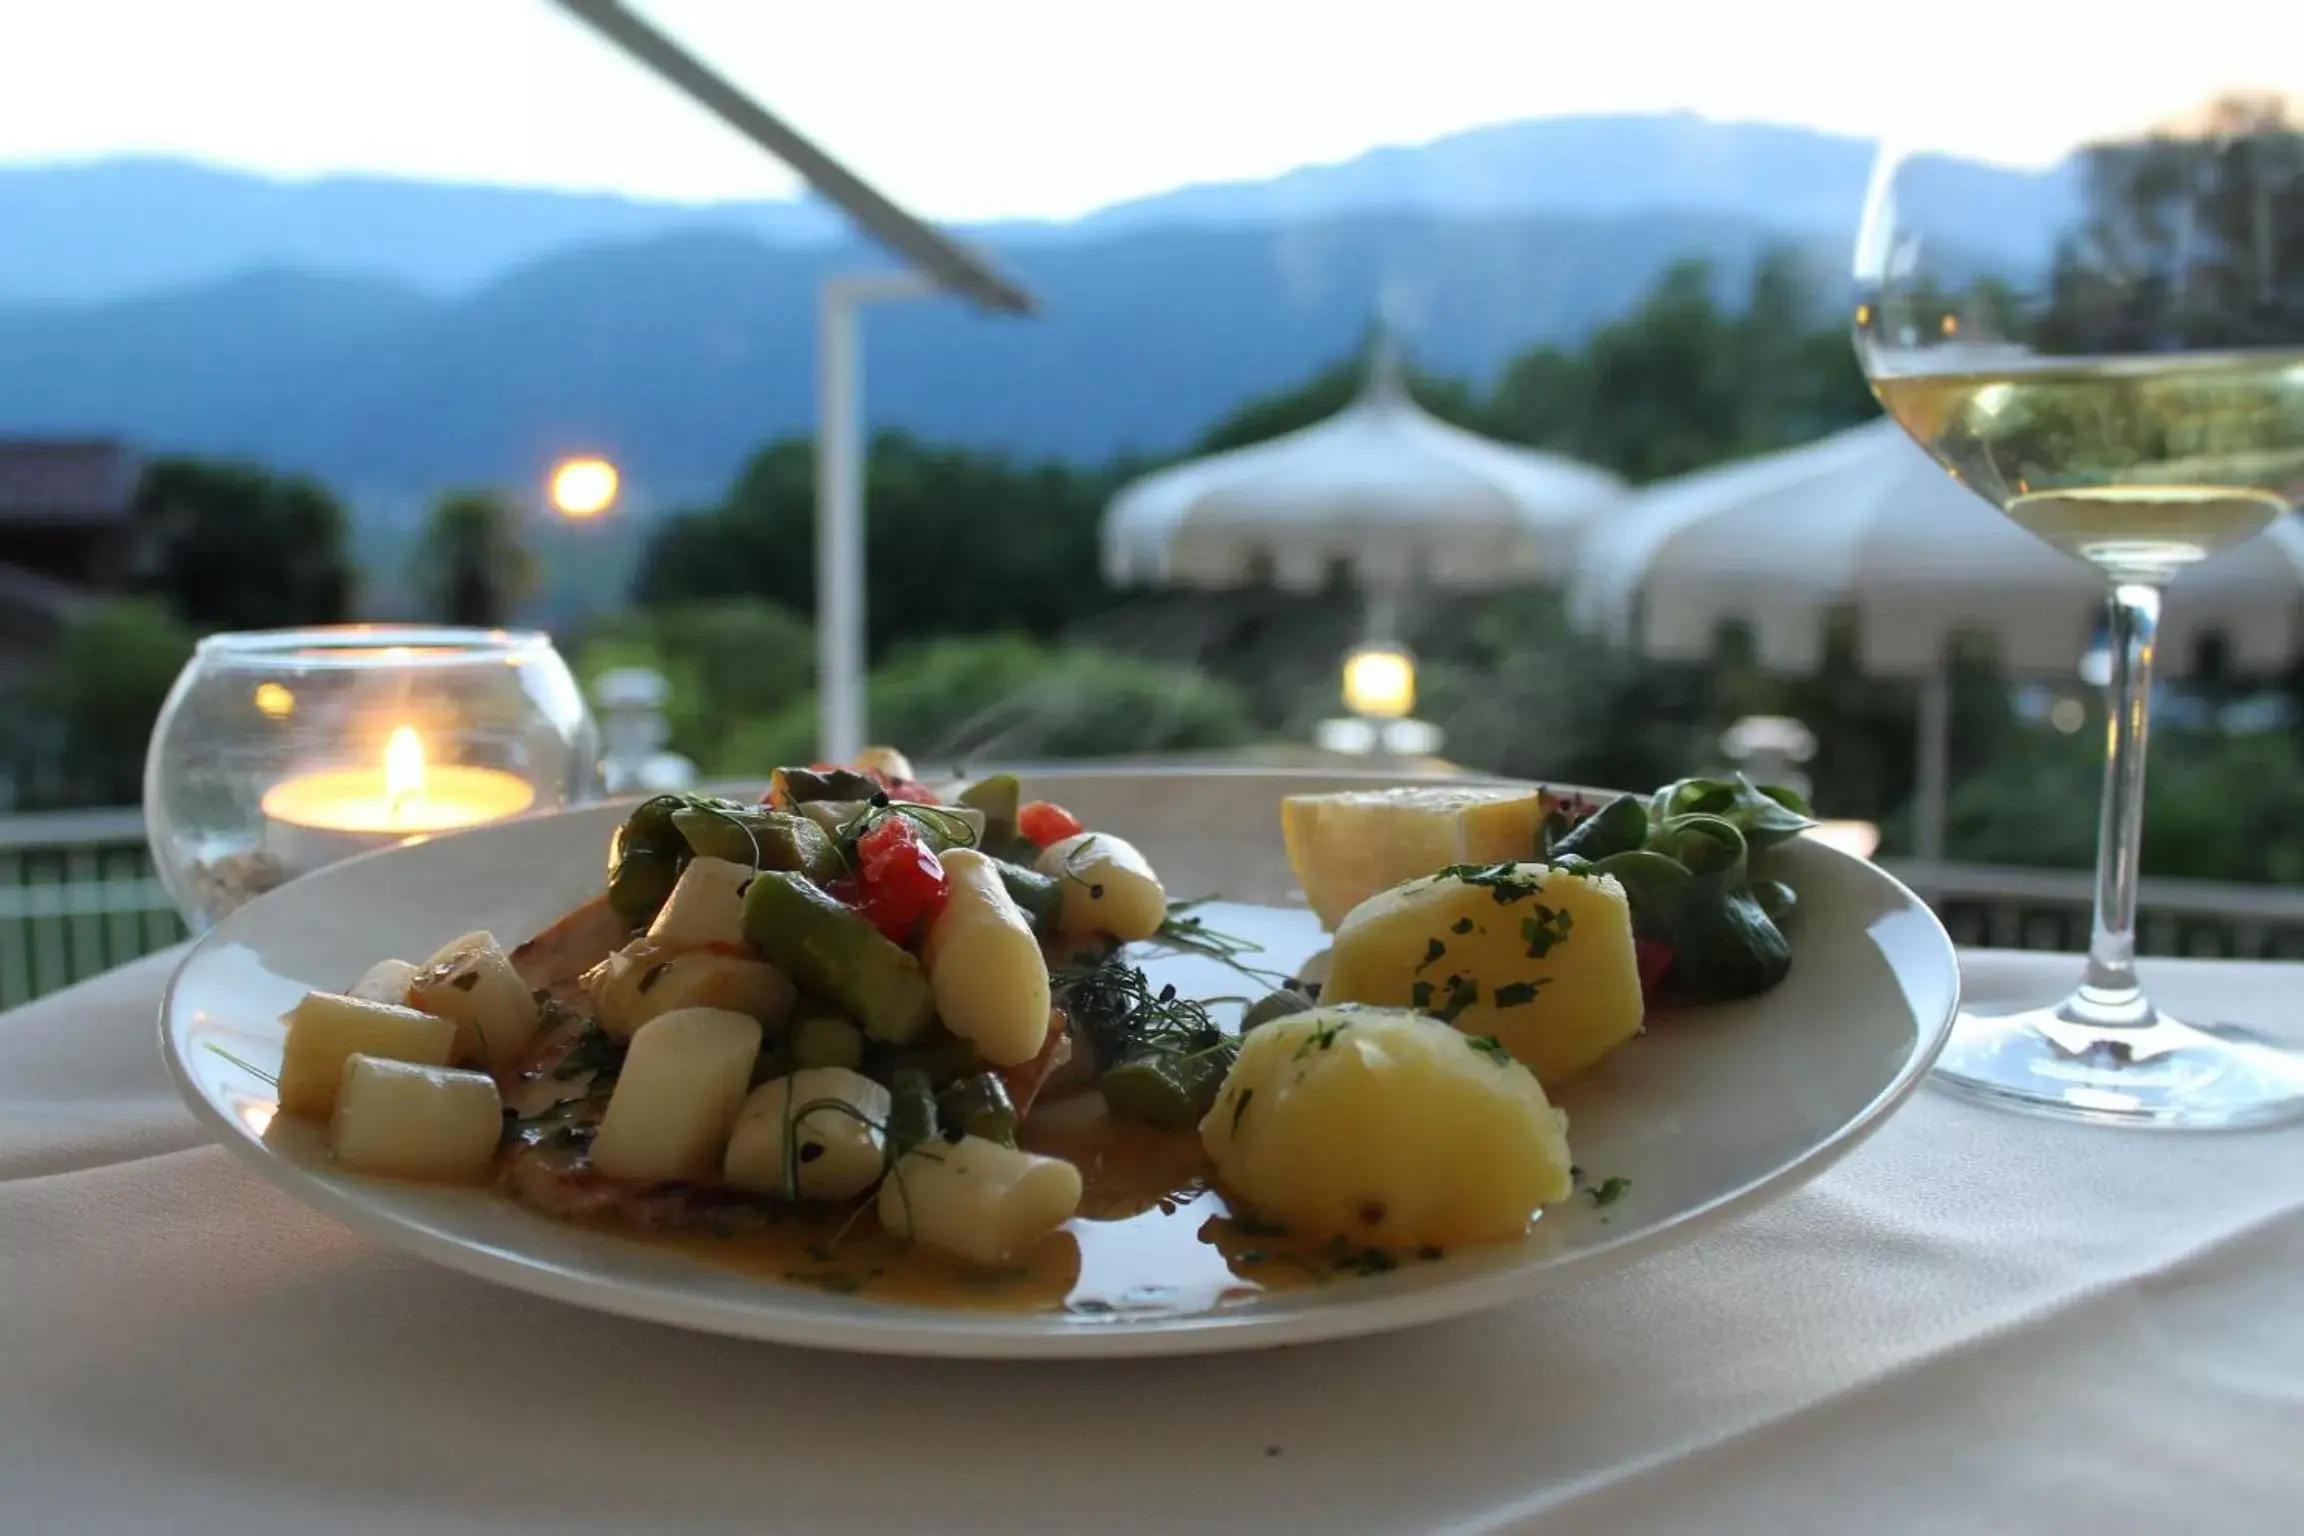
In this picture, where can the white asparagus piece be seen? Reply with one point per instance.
(676, 1101)
(985, 965)
(471, 983)
(977, 1198)
(1109, 888)
(644, 981)
(406, 1121)
(387, 981)
(828, 1117)
(705, 907)
(325, 1028)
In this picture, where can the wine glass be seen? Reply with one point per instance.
(2111, 351)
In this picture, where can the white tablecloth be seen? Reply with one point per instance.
(1977, 1322)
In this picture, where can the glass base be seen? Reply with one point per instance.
(2114, 1059)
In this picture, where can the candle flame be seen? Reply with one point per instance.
(403, 769)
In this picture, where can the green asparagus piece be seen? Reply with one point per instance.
(911, 1113)
(796, 786)
(642, 872)
(943, 1058)
(980, 1106)
(831, 951)
(1168, 1091)
(1041, 896)
(755, 835)
(827, 1040)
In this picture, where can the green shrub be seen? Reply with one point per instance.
(1003, 696)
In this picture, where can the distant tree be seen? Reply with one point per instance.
(956, 541)
(234, 546)
(472, 565)
(1005, 697)
(2190, 239)
(102, 689)
(730, 664)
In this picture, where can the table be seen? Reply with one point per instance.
(1977, 1322)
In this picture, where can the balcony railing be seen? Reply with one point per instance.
(78, 895)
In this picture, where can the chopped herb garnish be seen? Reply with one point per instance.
(1547, 928)
(1515, 993)
(1610, 1191)
(1433, 950)
(1503, 881)
(1491, 1047)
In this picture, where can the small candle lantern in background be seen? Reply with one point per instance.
(280, 752)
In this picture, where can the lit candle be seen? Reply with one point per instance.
(318, 818)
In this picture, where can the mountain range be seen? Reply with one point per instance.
(396, 336)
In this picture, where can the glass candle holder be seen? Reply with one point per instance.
(281, 751)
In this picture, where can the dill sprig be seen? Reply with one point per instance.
(1124, 1018)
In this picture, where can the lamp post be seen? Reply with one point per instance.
(840, 500)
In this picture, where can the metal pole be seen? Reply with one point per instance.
(840, 502)
(1933, 767)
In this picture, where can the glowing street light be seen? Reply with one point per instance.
(584, 487)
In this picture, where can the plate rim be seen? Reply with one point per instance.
(950, 1333)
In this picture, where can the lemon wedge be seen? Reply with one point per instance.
(1347, 846)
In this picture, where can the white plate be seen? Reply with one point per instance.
(1707, 1115)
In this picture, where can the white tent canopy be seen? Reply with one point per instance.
(1382, 490)
(1864, 519)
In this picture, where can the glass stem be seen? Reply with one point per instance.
(2109, 992)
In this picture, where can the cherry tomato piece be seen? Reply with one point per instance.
(1045, 822)
(904, 884)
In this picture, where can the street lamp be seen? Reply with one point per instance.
(584, 487)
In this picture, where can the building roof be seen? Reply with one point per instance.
(66, 480)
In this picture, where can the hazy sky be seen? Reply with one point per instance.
(994, 108)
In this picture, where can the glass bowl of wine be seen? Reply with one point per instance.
(2112, 355)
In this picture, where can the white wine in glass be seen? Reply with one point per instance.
(2123, 376)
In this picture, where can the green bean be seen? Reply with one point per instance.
(833, 952)
(980, 1106)
(911, 1113)
(827, 1040)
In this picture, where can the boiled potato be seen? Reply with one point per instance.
(387, 981)
(830, 1116)
(471, 983)
(977, 1198)
(985, 965)
(644, 980)
(415, 1122)
(1536, 957)
(325, 1028)
(675, 1103)
(1387, 1128)
(1348, 845)
(1110, 890)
